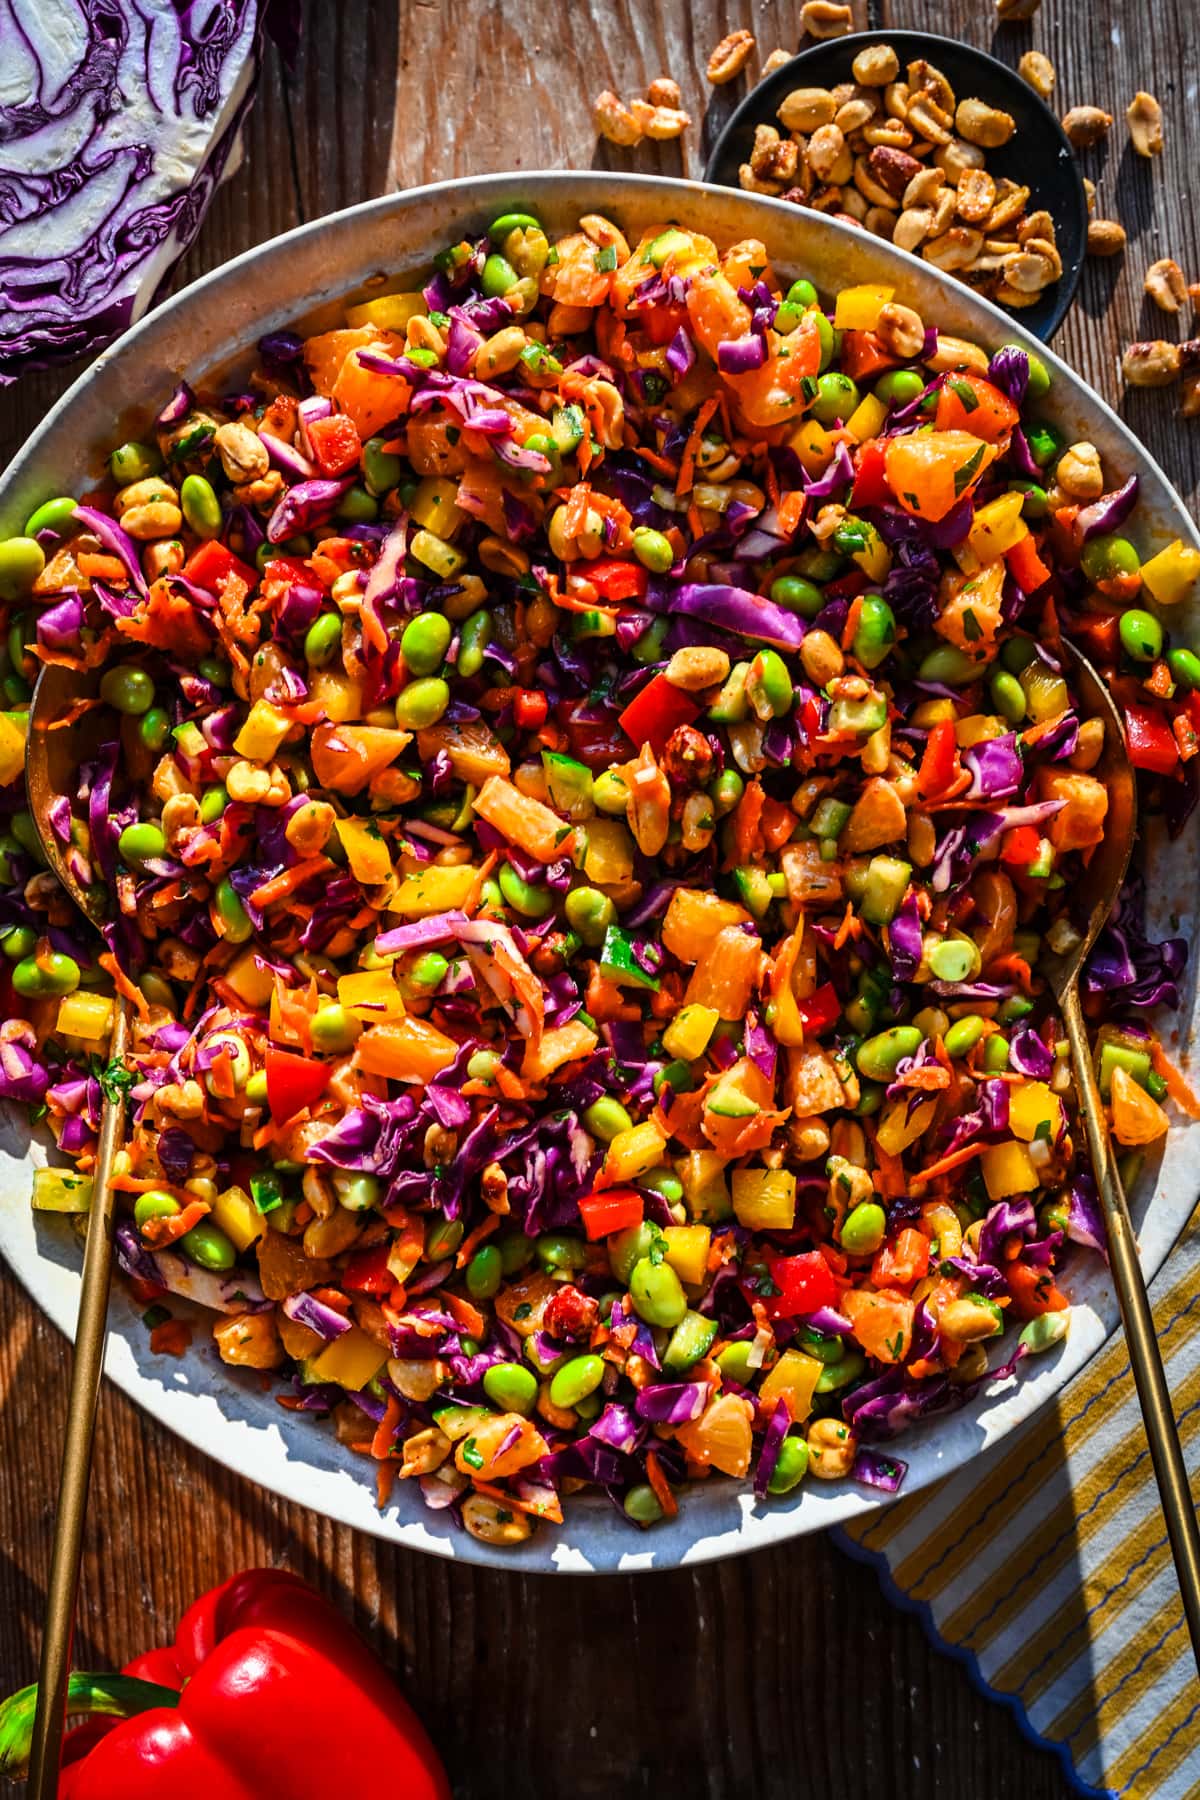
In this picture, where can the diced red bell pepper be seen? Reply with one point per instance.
(870, 483)
(614, 1210)
(1151, 741)
(1033, 1290)
(213, 563)
(903, 1260)
(805, 1283)
(1020, 846)
(939, 764)
(660, 323)
(1026, 566)
(616, 578)
(820, 1010)
(848, 586)
(335, 444)
(1101, 634)
(656, 712)
(293, 1082)
(367, 1272)
(863, 357)
(530, 707)
(599, 742)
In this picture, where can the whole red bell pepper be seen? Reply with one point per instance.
(266, 1690)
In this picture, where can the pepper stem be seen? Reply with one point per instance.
(118, 1696)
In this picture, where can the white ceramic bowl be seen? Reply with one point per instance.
(216, 322)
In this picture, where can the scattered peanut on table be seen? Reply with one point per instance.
(1166, 285)
(730, 57)
(1143, 115)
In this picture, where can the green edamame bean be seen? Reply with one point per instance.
(879, 1056)
(512, 1387)
(128, 689)
(483, 1065)
(1039, 377)
(649, 646)
(22, 560)
(516, 1252)
(1044, 443)
(484, 1272)
(154, 728)
(256, 1086)
(442, 1238)
(1109, 557)
(575, 1380)
(208, 1247)
(955, 959)
(876, 632)
(1045, 1331)
(625, 1248)
(864, 1229)
(323, 640)
(950, 665)
(358, 506)
(642, 1504)
(1035, 502)
(154, 1204)
(498, 275)
(610, 794)
(734, 1362)
(52, 974)
(138, 843)
(52, 515)
(657, 1293)
(653, 550)
(870, 1099)
(425, 642)
(963, 1035)
(769, 686)
(802, 293)
(899, 387)
(134, 462)
(216, 670)
(663, 1181)
(1141, 635)
(200, 505)
(512, 221)
(533, 902)
(429, 970)
(589, 913)
(473, 639)
(791, 1465)
(334, 1029)
(848, 1368)
(1008, 696)
(836, 398)
(213, 802)
(559, 1250)
(233, 914)
(18, 942)
(605, 1117)
(995, 1054)
(828, 340)
(381, 470)
(421, 704)
(797, 595)
(726, 791)
(1185, 667)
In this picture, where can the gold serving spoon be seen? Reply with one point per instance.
(1102, 884)
(52, 763)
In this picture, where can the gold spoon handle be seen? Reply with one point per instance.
(1145, 1356)
(77, 1446)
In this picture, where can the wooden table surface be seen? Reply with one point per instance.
(781, 1674)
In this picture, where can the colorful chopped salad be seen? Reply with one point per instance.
(585, 777)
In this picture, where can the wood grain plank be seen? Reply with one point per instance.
(780, 1674)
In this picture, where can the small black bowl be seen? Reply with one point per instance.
(1037, 155)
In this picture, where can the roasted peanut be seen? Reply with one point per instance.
(1105, 237)
(1010, 205)
(1038, 71)
(976, 196)
(1078, 472)
(956, 353)
(614, 120)
(1030, 270)
(853, 114)
(928, 119)
(954, 249)
(829, 157)
(823, 19)
(697, 667)
(776, 60)
(981, 124)
(1086, 125)
(664, 92)
(749, 182)
(876, 65)
(912, 227)
(729, 58)
(807, 109)
(660, 123)
(1189, 405)
(925, 78)
(955, 157)
(893, 170)
(832, 1448)
(773, 158)
(900, 330)
(1166, 285)
(1151, 363)
(243, 453)
(1143, 115)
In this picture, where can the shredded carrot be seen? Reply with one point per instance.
(852, 618)
(159, 1232)
(791, 511)
(385, 1431)
(957, 1159)
(661, 1486)
(385, 1480)
(691, 449)
(280, 886)
(123, 985)
(467, 1317)
(473, 1240)
(98, 566)
(1177, 1087)
(550, 1509)
(850, 927)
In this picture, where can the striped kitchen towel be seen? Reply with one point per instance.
(1044, 1567)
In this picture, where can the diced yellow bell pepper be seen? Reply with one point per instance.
(608, 860)
(13, 727)
(687, 1252)
(371, 995)
(867, 419)
(997, 527)
(61, 1190)
(634, 1151)
(436, 554)
(705, 1186)
(84, 1015)
(689, 1031)
(932, 712)
(897, 1131)
(338, 693)
(794, 1378)
(813, 445)
(434, 889)
(251, 980)
(978, 728)
(351, 1360)
(764, 1199)
(1170, 575)
(858, 308)
(239, 1218)
(1008, 1169)
(264, 731)
(366, 850)
(390, 312)
(434, 509)
(874, 559)
(1034, 1111)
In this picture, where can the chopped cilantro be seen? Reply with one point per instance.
(472, 1455)
(964, 476)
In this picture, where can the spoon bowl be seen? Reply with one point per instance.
(54, 754)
